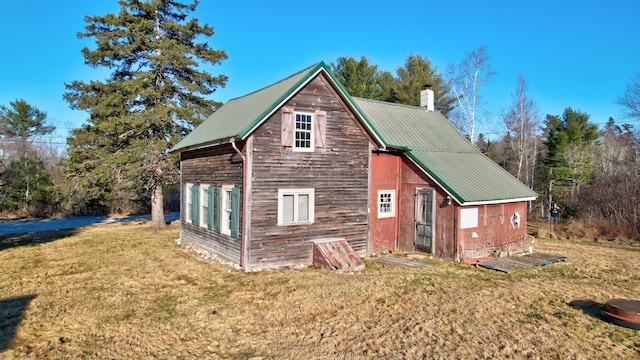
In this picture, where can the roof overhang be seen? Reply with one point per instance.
(202, 146)
(450, 191)
(320, 68)
(493, 202)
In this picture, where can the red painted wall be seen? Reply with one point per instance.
(412, 178)
(496, 230)
(385, 175)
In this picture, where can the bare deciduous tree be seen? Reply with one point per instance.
(630, 99)
(466, 79)
(522, 120)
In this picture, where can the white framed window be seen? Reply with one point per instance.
(188, 211)
(296, 206)
(204, 205)
(226, 211)
(386, 203)
(303, 132)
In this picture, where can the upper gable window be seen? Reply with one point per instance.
(303, 132)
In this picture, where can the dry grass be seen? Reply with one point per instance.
(121, 291)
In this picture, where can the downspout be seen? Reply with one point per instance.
(232, 141)
(233, 144)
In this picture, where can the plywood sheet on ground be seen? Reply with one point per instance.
(518, 263)
(400, 261)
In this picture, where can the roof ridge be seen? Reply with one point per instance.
(461, 151)
(389, 103)
(308, 69)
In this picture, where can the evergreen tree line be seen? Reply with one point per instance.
(159, 88)
(591, 173)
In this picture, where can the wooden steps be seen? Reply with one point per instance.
(336, 254)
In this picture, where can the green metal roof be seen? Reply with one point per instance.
(436, 146)
(427, 138)
(240, 116)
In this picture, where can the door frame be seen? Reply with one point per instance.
(433, 216)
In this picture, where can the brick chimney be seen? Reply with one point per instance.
(427, 97)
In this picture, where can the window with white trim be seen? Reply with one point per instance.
(296, 206)
(204, 205)
(386, 203)
(225, 211)
(303, 134)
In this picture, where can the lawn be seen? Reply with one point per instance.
(121, 291)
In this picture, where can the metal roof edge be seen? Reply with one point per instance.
(282, 99)
(201, 146)
(354, 105)
(312, 73)
(503, 201)
(433, 177)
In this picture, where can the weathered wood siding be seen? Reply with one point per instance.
(215, 167)
(338, 172)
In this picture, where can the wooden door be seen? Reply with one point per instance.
(425, 224)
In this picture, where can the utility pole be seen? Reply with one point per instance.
(550, 198)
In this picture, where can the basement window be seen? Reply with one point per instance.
(386, 203)
(296, 206)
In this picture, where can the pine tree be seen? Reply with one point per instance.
(569, 141)
(417, 72)
(359, 78)
(20, 125)
(24, 178)
(154, 95)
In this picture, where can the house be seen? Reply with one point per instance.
(272, 174)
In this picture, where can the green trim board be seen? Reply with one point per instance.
(431, 142)
(239, 117)
(426, 137)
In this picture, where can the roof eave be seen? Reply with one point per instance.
(321, 67)
(499, 201)
(434, 178)
(455, 196)
(209, 144)
(281, 101)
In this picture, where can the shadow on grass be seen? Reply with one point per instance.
(33, 238)
(11, 314)
(591, 308)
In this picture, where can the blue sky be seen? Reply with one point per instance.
(577, 54)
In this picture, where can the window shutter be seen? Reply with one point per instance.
(210, 208)
(320, 129)
(217, 212)
(235, 212)
(183, 203)
(195, 214)
(288, 124)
